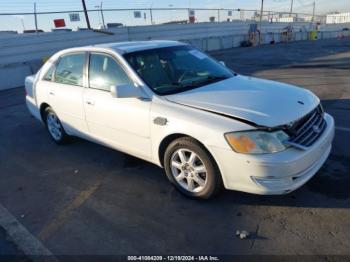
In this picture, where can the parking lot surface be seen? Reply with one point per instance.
(83, 198)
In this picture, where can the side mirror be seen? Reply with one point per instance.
(222, 63)
(126, 91)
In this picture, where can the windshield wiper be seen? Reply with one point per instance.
(208, 80)
(217, 78)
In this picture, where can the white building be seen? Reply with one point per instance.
(338, 18)
(286, 19)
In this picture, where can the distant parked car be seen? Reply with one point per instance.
(58, 30)
(114, 25)
(83, 29)
(170, 104)
(30, 31)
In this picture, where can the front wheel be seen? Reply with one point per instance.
(191, 168)
(54, 126)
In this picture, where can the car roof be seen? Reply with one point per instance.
(133, 46)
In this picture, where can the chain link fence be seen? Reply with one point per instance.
(101, 18)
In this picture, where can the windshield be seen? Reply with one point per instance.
(172, 70)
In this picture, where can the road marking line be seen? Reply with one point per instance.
(346, 129)
(56, 223)
(26, 242)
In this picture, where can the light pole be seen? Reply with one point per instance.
(261, 14)
(103, 18)
(102, 24)
(20, 17)
(291, 8)
(35, 19)
(22, 21)
(171, 12)
(98, 15)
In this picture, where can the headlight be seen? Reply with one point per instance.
(257, 142)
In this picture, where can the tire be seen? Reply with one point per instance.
(185, 170)
(54, 127)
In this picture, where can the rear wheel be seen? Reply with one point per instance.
(54, 127)
(192, 170)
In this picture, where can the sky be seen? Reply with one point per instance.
(19, 22)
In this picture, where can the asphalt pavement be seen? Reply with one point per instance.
(85, 199)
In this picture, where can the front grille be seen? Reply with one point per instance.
(307, 130)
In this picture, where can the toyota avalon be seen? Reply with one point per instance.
(171, 104)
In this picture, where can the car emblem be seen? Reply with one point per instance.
(316, 129)
(300, 102)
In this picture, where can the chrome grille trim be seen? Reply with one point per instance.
(308, 129)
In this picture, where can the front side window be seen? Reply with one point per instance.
(176, 69)
(70, 69)
(105, 72)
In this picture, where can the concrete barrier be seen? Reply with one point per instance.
(21, 55)
(13, 75)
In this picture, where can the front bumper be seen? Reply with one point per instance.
(273, 174)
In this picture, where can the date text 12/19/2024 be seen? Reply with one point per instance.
(173, 258)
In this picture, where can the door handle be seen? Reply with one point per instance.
(144, 99)
(90, 103)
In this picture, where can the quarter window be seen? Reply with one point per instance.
(105, 72)
(49, 74)
(70, 69)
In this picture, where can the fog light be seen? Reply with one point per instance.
(271, 181)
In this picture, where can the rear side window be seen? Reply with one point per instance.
(105, 72)
(70, 69)
(49, 74)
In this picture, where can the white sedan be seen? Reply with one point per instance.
(168, 103)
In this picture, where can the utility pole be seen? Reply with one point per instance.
(313, 11)
(35, 19)
(291, 8)
(86, 15)
(103, 18)
(261, 14)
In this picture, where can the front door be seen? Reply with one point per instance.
(123, 123)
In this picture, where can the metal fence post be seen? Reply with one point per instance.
(151, 14)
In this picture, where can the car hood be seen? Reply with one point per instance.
(262, 102)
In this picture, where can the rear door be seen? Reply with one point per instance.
(65, 92)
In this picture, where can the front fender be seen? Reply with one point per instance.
(206, 127)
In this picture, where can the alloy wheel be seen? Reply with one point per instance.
(54, 126)
(188, 170)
